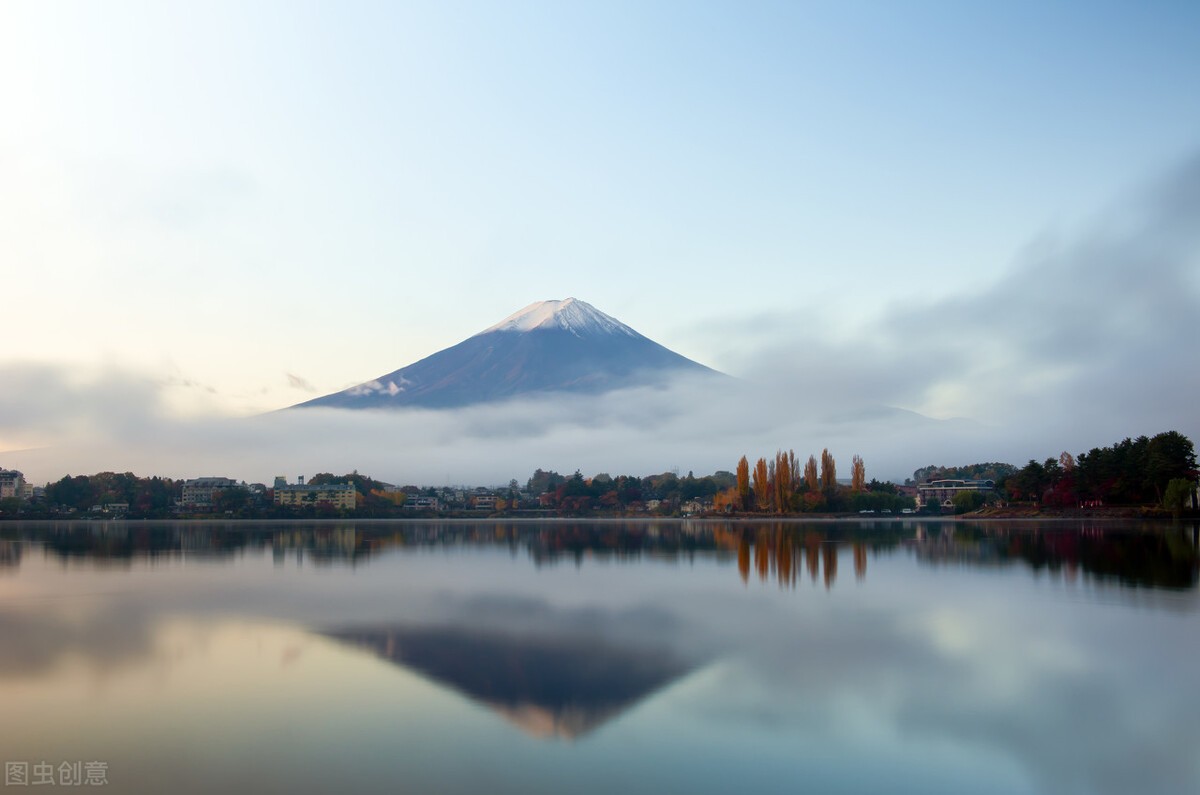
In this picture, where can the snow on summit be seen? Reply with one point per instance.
(571, 314)
(560, 347)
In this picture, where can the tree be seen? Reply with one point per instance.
(967, 501)
(74, 492)
(828, 472)
(810, 475)
(743, 483)
(885, 486)
(1029, 483)
(1176, 496)
(1169, 456)
(231, 500)
(783, 481)
(541, 482)
(858, 474)
(761, 490)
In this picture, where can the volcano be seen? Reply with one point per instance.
(565, 346)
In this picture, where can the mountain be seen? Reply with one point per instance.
(549, 346)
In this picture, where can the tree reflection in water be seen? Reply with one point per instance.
(1145, 555)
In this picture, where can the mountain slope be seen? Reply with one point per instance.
(549, 346)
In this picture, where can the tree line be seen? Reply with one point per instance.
(576, 495)
(784, 485)
(1137, 471)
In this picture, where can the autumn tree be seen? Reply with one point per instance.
(727, 500)
(810, 475)
(828, 471)
(858, 474)
(743, 483)
(783, 481)
(772, 489)
(761, 490)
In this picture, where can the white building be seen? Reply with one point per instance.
(198, 493)
(12, 483)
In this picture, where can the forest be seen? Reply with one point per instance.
(1158, 470)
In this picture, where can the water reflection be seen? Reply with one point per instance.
(1131, 555)
(703, 656)
(547, 686)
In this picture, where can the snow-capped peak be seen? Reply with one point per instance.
(578, 317)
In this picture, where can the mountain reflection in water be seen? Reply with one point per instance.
(548, 687)
(1004, 658)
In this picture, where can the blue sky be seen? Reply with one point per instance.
(236, 203)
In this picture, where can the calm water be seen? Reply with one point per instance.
(602, 657)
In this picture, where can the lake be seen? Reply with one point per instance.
(600, 657)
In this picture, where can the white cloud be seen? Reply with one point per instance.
(1078, 345)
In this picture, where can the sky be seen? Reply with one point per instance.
(930, 232)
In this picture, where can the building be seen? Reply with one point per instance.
(943, 491)
(198, 493)
(422, 504)
(12, 483)
(337, 495)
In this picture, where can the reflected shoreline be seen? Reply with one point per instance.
(1132, 554)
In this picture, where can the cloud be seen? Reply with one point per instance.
(296, 382)
(120, 422)
(1079, 344)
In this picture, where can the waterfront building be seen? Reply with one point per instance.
(337, 495)
(198, 493)
(12, 483)
(943, 491)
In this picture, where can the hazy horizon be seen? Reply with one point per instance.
(930, 234)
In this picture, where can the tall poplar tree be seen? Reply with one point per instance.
(858, 474)
(828, 471)
(783, 482)
(743, 484)
(810, 475)
(761, 490)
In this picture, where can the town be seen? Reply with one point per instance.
(1146, 476)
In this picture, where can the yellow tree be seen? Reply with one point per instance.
(761, 491)
(772, 489)
(794, 468)
(858, 474)
(743, 484)
(828, 471)
(810, 474)
(783, 482)
(726, 500)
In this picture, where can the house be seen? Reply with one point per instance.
(943, 491)
(337, 495)
(198, 493)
